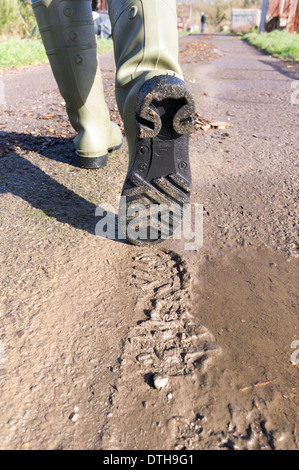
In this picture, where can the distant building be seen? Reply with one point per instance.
(244, 19)
(283, 14)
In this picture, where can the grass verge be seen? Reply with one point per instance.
(23, 52)
(277, 43)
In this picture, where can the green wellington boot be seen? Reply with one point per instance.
(67, 31)
(156, 107)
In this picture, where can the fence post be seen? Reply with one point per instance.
(263, 15)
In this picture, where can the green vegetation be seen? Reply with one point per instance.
(277, 43)
(16, 18)
(104, 45)
(20, 42)
(22, 52)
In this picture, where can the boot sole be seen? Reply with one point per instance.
(95, 162)
(159, 179)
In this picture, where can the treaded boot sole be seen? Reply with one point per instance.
(95, 162)
(158, 183)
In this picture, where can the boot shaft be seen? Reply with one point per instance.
(68, 34)
(65, 23)
(145, 38)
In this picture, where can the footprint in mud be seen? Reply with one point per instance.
(162, 352)
(168, 341)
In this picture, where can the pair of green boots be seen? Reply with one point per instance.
(155, 105)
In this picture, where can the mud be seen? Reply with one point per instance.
(109, 346)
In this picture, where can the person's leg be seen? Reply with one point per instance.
(67, 31)
(154, 102)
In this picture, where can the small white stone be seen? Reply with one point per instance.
(74, 417)
(160, 381)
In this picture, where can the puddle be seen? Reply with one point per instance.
(249, 300)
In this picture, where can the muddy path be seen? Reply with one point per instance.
(109, 346)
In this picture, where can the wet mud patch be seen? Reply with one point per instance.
(248, 298)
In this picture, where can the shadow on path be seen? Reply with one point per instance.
(55, 148)
(20, 177)
(287, 68)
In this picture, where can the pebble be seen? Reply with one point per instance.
(160, 381)
(74, 416)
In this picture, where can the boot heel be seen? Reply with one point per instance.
(92, 162)
(159, 178)
(95, 162)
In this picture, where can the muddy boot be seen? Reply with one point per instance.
(67, 31)
(156, 107)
